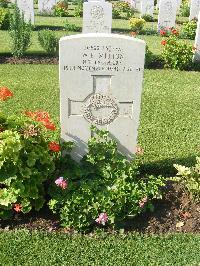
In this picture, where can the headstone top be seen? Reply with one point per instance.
(194, 9)
(97, 17)
(27, 8)
(167, 14)
(101, 84)
(196, 57)
(46, 6)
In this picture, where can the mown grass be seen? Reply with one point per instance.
(170, 114)
(24, 248)
(57, 24)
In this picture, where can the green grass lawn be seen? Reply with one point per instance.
(170, 116)
(25, 248)
(168, 132)
(57, 24)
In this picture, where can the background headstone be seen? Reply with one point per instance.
(27, 8)
(138, 5)
(97, 17)
(196, 57)
(194, 9)
(167, 14)
(101, 84)
(46, 6)
(157, 5)
(147, 7)
(179, 2)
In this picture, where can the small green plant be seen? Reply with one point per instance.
(48, 41)
(61, 9)
(20, 33)
(189, 29)
(136, 24)
(148, 18)
(189, 177)
(104, 189)
(78, 10)
(185, 9)
(122, 10)
(70, 27)
(177, 54)
(4, 19)
(115, 13)
(4, 3)
(149, 57)
(25, 164)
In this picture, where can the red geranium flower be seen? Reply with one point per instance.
(17, 207)
(163, 32)
(163, 42)
(43, 117)
(49, 125)
(53, 146)
(5, 93)
(133, 34)
(194, 48)
(174, 32)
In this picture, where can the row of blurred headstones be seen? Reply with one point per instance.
(168, 9)
(27, 8)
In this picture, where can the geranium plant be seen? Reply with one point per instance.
(177, 54)
(103, 189)
(27, 156)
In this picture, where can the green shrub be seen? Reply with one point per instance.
(177, 54)
(4, 3)
(4, 19)
(122, 9)
(189, 29)
(185, 10)
(148, 18)
(115, 13)
(104, 188)
(78, 10)
(136, 24)
(61, 9)
(48, 41)
(25, 163)
(149, 57)
(70, 27)
(20, 33)
(189, 177)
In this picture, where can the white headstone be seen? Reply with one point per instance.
(147, 7)
(179, 2)
(27, 8)
(196, 57)
(157, 5)
(194, 9)
(167, 14)
(101, 84)
(46, 6)
(97, 17)
(138, 5)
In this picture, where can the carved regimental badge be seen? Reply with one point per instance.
(100, 109)
(97, 12)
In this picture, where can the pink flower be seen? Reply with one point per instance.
(102, 219)
(139, 150)
(143, 202)
(60, 182)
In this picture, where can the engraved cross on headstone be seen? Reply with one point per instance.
(100, 107)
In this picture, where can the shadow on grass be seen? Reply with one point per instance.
(48, 27)
(165, 167)
(57, 28)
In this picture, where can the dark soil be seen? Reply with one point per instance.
(176, 212)
(29, 59)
